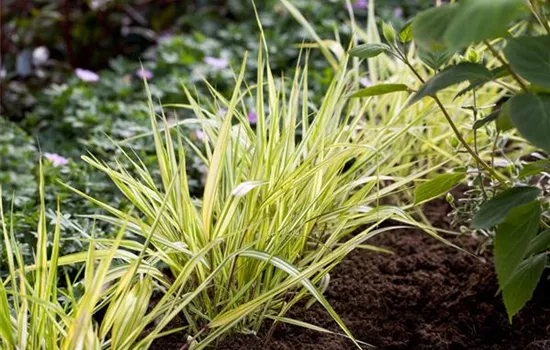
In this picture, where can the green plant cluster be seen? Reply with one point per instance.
(72, 116)
(505, 42)
(231, 193)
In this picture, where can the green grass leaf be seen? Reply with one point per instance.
(530, 114)
(436, 187)
(529, 56)
(380, 89)
(494, 211)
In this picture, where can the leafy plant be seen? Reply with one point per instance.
(103, 306)
(514, 59)
(278, 211)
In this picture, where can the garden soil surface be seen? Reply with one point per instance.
(425, 296)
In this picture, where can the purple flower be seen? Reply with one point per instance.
(222, 112)
(200, 135)
(216, 63)
(252, 117)
(365, 82)
(144, 74)
(360, 4)
(56, 159)
(86, 75)
(165, 36)
(398, 12)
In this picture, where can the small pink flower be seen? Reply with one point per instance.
(360, 4)
(217, 63)
(56, 159)
(144, 74)
(222, 112)
(252, 117)
(365, 82)
(398, 12)
(86, 75)
(200, 135)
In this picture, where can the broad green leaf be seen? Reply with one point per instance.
(428, 27)
(529, 56)
(496, 73)
(494, 211)
(435, 58)
(380, 89)
(369, 50)
(451, 76)
(405, 34)
(534, 168)
(504, 121)
(521, 286)
(486, 120)
(530, 114)
(539, 243)
(477, 20)
(512, 239)
(436, 187)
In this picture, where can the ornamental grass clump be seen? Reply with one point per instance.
(286, 198)
(42, 309)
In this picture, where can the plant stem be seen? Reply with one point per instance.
(505, 64)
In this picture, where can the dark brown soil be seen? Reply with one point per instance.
(425, 296)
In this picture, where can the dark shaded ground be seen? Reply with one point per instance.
(426, 296)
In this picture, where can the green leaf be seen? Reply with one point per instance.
(389, 33)
(435, 58)
(512, 239)
(451, 76)
(428, 27)
(405, 34)
(436, 187)
(497, 73)
(484, 121)
(504, 121)
(380, 89)
(529, 56)
(369, 50)
(535, 168)
(521, 286)
(530, 114)
(494, 211)
(477, 20)
(539, 244)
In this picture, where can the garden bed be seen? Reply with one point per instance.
(425, 296)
